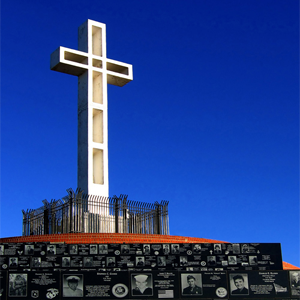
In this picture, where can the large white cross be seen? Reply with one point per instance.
(94, 71)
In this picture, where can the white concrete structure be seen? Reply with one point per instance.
(94, 72)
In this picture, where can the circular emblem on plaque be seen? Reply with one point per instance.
(35, 294)
(189, 252)
(120, 290)
(4, 266)
(43, 253)
(221, 292)
(203, 263)
(117, 252)
(156, 252)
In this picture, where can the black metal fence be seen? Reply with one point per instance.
(79, 212)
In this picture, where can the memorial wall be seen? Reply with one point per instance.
(145, 271)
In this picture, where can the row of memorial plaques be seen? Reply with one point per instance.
(191, 257)
(150, 285)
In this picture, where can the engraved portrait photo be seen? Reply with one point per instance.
(217, 249)
(88, 262)
(73, 249)
(211, 260)
(295, 282)
(13, 262)
(93, 249)
(146, 249)
(166, 249)
(141, 285)
(197, 249)
(66, 262)
(125, 249)
(17, 285)
(103, 249)
(1, 249)
(72, 285)
(36, 262)
(29, 249)
(161, 261)
(232, 260)
(191, 284)
(252, 260)
(110, 262)
(175, 249)
(140, 261)
(183, 261)
(51, 249)
(239, 284)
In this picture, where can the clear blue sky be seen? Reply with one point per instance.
(210, 121)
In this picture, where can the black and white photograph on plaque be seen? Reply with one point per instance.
(146, 249)
(110, 262)
(93, 249)
(166, 249)
(66, 262)
(161, 261)
(51, 249)
(103, 249)
(211, 260)
(141, 284)
(36, 262)
(29, 249)
(73, 249)
(236, 249)
(191, 284)
(183, 261)
(1, 249)
(88, 262)
(197, 249)
(72, 285)
(175, 249)
(13, 262)
(217, 249)
(125, 249)
(245, 248)
(253, 260)
(295, 282)
(232, 260)
(17, 285)
(239, 284)
(140, 261)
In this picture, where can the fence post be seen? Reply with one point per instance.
(116, 209)
(70, 210)
(158, 221)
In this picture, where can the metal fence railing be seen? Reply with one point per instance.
(79, 212)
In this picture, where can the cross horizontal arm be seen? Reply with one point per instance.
(76, 62)
(118, 73)
(69, 61)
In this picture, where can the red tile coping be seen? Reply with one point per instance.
(115, 238)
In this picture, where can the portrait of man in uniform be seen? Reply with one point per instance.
(140, 261)
(103, 249)
(295, 282)
(141, 284)
(111, 262)
(51, 249)
(66, 262)
(73, 249)
(72, 286)
(93, 249)
(191, 284)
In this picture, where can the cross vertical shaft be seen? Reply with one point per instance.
(94, 71)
